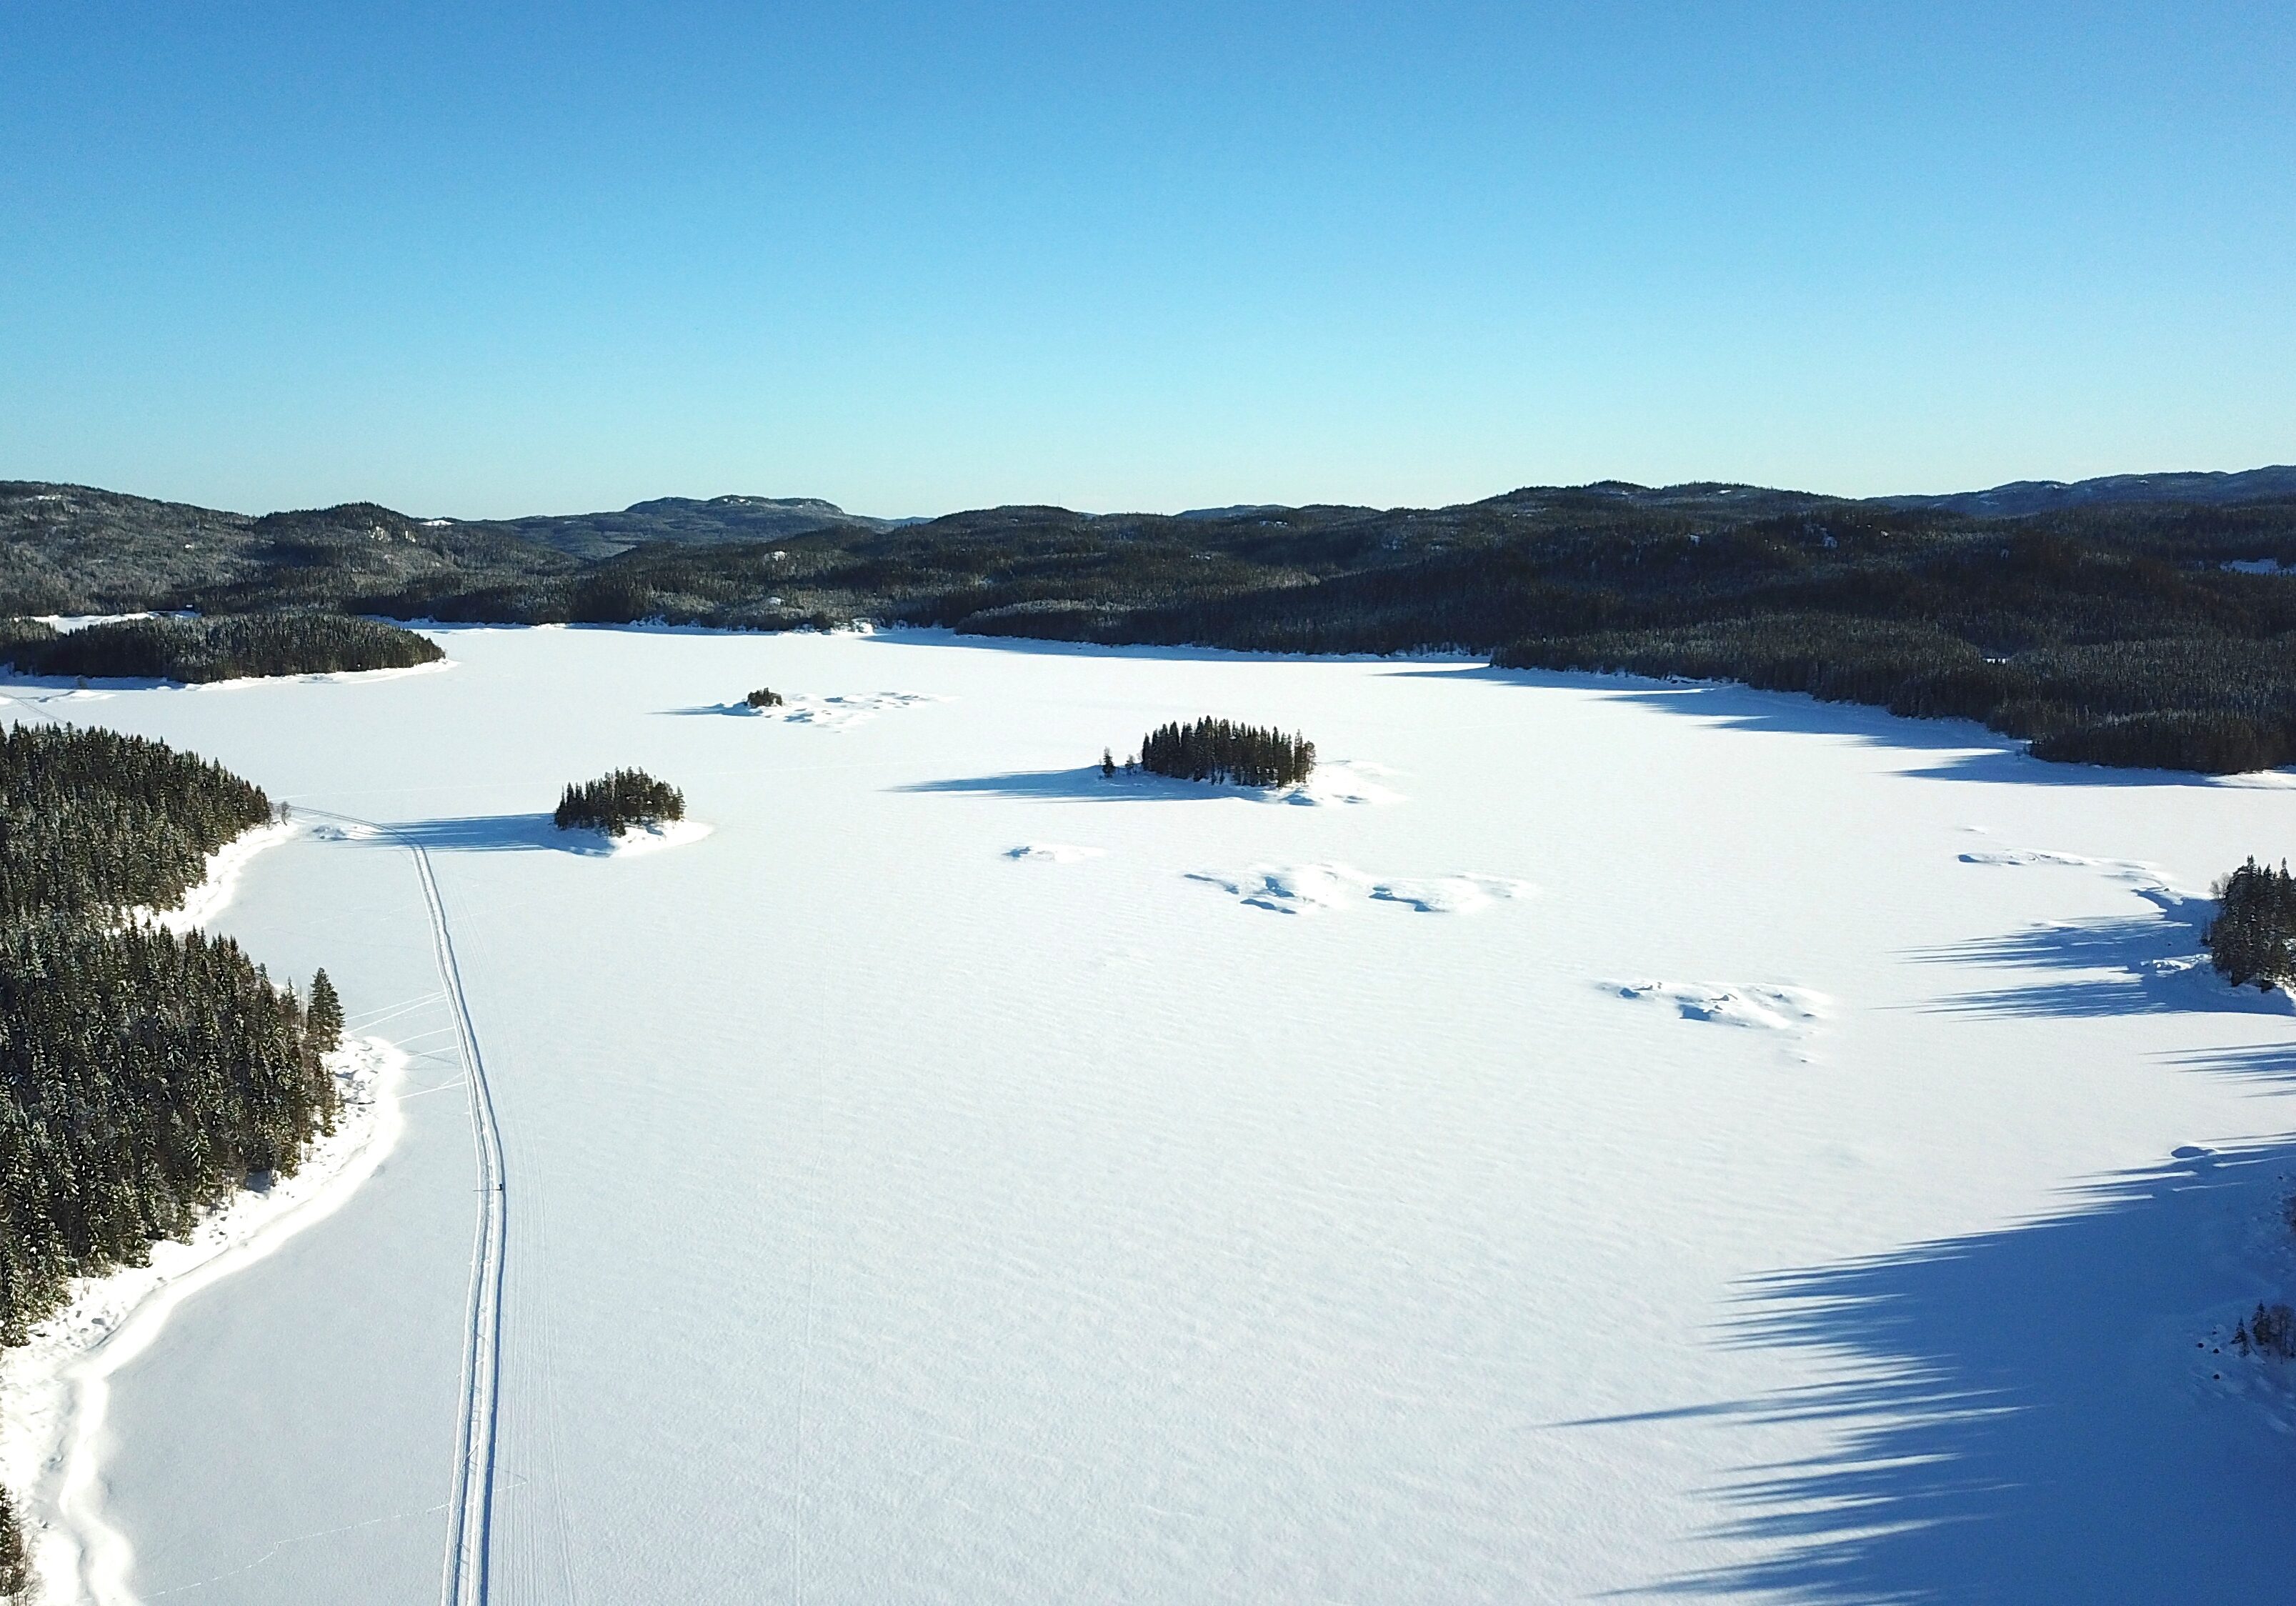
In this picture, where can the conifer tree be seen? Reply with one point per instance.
(323, 1021)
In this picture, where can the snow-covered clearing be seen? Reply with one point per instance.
(945, 1181)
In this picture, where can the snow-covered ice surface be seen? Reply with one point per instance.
(889, 1223)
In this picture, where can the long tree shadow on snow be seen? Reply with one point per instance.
(2137, 965)
(1085, 785)
(486, 833)
(2030, 1416)
(1967, 750)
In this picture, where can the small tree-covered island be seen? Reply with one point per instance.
(1221, 751)
(619, 800)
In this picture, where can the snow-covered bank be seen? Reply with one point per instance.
(55, 1391)
(86, 687)
(637, 839)
(207, 900)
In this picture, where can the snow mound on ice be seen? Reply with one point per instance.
(1053, 852)
(1340, 781)
(838, 713)
(637, 839)
(1784, 1009)
(2129, 868)
(344, 833)
(1308, 889)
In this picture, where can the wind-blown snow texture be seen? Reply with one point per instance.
(1700, 1141)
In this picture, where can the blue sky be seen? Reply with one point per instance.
(482, 260)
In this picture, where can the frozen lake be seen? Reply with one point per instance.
(1614, 1139)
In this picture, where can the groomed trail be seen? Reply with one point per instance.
(470, 1505)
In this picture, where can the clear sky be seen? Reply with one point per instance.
(483, 259)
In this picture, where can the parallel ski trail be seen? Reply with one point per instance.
(471, 1513)
(469, 1519)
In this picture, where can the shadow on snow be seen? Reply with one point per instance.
(489, 833)
(2037, 1414)
(2030, 1415)
(1084, 785)
(2134, 965)
(1967, 750)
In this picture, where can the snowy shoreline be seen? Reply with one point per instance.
(55, 1388)
(95, 687)
(208, 900)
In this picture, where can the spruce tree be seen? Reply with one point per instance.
(323, 1021)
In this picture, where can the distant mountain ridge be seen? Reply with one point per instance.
(681, 518)
(2022, 497)
(2138, 618)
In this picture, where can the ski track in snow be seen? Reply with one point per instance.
(464, 1579)
(1312, 888)
(470, 1517)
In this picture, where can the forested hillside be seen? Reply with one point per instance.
(2102, 619)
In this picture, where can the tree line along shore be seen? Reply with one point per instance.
(2159, 631)
(144, 1075)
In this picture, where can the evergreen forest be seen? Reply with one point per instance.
(618, 800)
(229, 648)
(143, 1075)
(1219, 750)
(2143, 620)
(2253, 936)
(94, 823)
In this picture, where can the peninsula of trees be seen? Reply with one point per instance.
(1219, 750)
(231, 648)
(617, 801)
(143, 1075)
